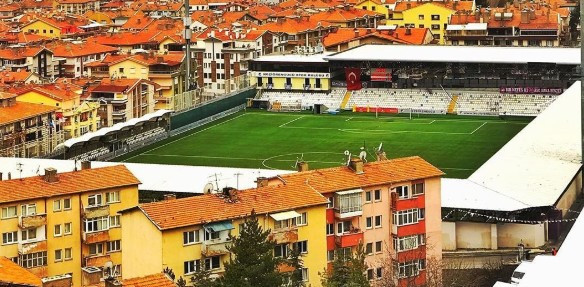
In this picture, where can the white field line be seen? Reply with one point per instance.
(478, 128)
(348, 119)
(185, 137)
(358, 131)
(235, 158)
(289, 122)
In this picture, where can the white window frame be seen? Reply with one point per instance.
(192, 266)
(368, 222)
(284, 250)
(191, 237)
(302, 246)
(32, 260)
(330, 229)
(98, 198)
(57, 205)
(28, 232)
(305, 277)
(209, 263)
(5, 214)
(65, 257)
(368, 197)
(112, 197)
(403, 192)
(302, 220)
(341, 230)
(114, 246)
(115, 221)
(60, 230)
(380, 243)
(65, 232)
(407, 243)
(406, 217)
(98, 249)
(375, 192)
(104, 220)
(330, 255)
(380, 221)
(58, 258)
(331, 202)
(350, 202)
(9, 237)
(28, 209)
(416, 186)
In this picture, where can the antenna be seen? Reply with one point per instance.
(298, 160)
(363, 154)
(38, 171)
(237, 174)
(19, 168)
(348, 155)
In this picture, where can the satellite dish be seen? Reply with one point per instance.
(348, 154)
(109, 265)
(208, 188)
(363, 154)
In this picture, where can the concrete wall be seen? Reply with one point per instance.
(570, 195)
(448, 235)
(511, 234)
(473, 235)
(433, 218)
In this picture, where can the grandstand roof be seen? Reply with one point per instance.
(459, 54)
(153, 177)
(315, 58)
(533, 169)
(104, 131)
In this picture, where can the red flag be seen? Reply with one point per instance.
(353, 77)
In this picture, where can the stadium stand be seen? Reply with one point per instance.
(417, 101)
(295, 101)
(502, 104)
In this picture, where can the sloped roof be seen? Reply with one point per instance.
(12, 274)
(20, 111)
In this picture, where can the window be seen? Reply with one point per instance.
(190, 237)
(331, 202)
(350, 202)
(422, 264)
(369, 248)
(379, 272)
(421, 239)
(281, 250)
(58, 230)
(96, 224)
(421, 26)
(406, 217)
(94, 200)
(402, 192)
(58, 255)
(378, 246)
(57, 205)
(435, 17)
(330, 255)
(114, 221)
(418, 188)
(343, 227)
(9, 212)
(301, 246)
(28, 209)
(435, 27)
(421, 213)
(66, 203)
(436, 36)
(113, 196)
(33, 259)
(279, 224)
(114, 246)
(305, 274)
(192, 266)
(368, 196)
(67, 228)
(301, 220)
(378, 221)
(369, 274)
(377, 194)
(369, 222)
(407, 243)
(330, 229)
(420, 17)
(211, 235)
(212, 263)
(345, 253)
(96, 249)
(408, 269)
(121, 70)
(68, 254)
(28, 234)
(10, 237)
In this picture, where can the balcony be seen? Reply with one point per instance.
(96, 211)
(343, 213)
(31, 221)
(349, 239)
(32, 246)
(214, 247)
(97, 260)
(284, 236)
(94, 237)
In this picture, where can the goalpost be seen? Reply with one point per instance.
(377, 113)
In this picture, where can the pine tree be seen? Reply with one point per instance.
(347, 271)
(252, 262)
(202, 278)
(295, 261)
(358, 277)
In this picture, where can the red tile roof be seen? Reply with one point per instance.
(20, 111)
(93, 179)
(295, 26)
(12, 274)
(74, 50)
(20, 52)
(452, 5)
(417, 36)
(156, 280)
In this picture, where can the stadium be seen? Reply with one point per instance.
(454, 106)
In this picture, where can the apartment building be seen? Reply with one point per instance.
(183, 234)
(36, 59)
(27, 130)
(75, 55)
(120, 100)
(67, 224)
(75, 116)
(77, 6)
(392, 207)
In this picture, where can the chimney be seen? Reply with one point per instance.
(170, 196)
(356, 32)
(85, 165)
(112, 282)
(302, 166)
(9, 176)
(262, 181)
(532, 14)
(477, 14)
(524, 16)
(408, 31)
(0, 176)
(356, 164)
(408, 5)
(50, 175)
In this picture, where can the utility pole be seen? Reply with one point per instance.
(582, 79)
(188, 34)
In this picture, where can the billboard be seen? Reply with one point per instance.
(381, 75)
(530, 90)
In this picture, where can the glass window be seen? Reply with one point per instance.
(435, 17)
(114, 221)
(369, 248)
(301, 246)
(402, 192)
(9, 212)
(96, 224)
(58, 230)
(113, 246)
(113, 196)
(94, 200)
(59, 255)
(378, 221)
(192, 266)
(368, 196)
(9, 237)
(29, 234)
(68, 254)
(330, 255)
(281, 250)
(212, 263)
(418, 188)
(190, 237)
(66, 203)
(28, 209)
(378, 246)
(377, 195)
(330, 229)
(57, 205)
(95, 249)
(305, 274)
(369, 222)
(301, 220)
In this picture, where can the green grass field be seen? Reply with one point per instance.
(255, 139)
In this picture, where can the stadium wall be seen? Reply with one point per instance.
(205, 111)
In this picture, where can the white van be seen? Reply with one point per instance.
(520, 271)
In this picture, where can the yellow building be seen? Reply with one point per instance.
(43, 27)
(67, 224)
(379, 6)
(77, 118)
(432, 15)
(183, 234)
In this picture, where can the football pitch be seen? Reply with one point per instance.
(256, 139)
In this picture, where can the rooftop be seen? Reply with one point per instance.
(20, 111)
(12, 274)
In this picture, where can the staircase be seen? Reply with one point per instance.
(346, 99)
(452, 105)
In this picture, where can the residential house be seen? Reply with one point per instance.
(13, 275)
(27, 130)
(77, 54)
(298, 31)
(348, 17)
(78, 7)
(19, 77)
(56, 224)
(36, 59)
(346, 38)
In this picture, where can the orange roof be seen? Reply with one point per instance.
(54, 91)
(417, 36)
(342, 15)
(19, 53)
(14, 77)
(294, 26)
(93, 179)
(260, 12)
(460, 5)
(74, 50)
(12, 274)
(375, 173)
(541, 21)
(212, 207)
(20, 111)
(156, 280)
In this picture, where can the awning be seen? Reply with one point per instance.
(349, 191)
(218, 226)
(285, 215)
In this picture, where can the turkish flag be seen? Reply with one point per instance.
(353, 77)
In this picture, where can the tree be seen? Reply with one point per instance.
(295, 261)
(252, 261)
(202, 278)
(181, 282)
(347, 271)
